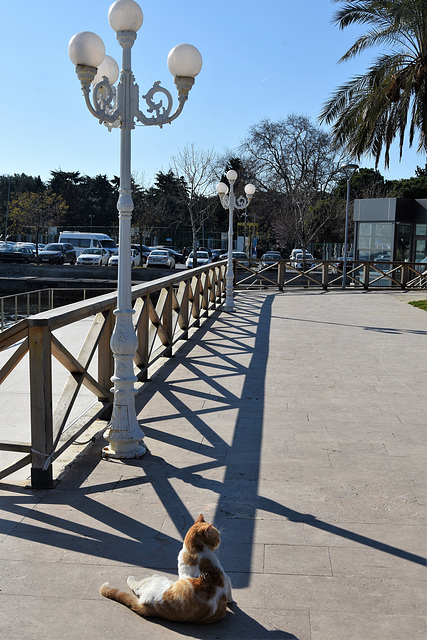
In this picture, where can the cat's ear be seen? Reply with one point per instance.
(200, 518)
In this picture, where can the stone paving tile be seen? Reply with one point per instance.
(298, 426)
(374, 563)
(327, 626)
(297, 560)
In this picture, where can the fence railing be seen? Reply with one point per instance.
(166, 311)
(15, 306)
(328, 274)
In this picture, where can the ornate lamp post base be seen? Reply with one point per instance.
(123, 450)
(229, 302)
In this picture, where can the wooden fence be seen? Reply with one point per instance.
(326, 274)
(166, 311)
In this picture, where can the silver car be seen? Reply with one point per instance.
(161, 258)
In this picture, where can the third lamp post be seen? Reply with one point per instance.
(349, 170)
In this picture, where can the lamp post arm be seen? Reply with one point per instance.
(104, 96)
(162, 112)
(241, 203)
(107, 102)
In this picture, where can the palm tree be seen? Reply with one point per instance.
(370, 111)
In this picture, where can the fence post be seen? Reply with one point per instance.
(325, 274)
(142, 307)
(366, 275)
(167, 321)
(281, 275)
(105, 355)
(404, 275)
(195, 297)
(40, 362)
(212, 287)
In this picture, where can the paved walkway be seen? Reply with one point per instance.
(298, 425)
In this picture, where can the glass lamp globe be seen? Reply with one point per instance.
(184, 61)
(125, 15)
(86, 48)
(109, 68)
(221, 188)
(232, 175)
(250, 189)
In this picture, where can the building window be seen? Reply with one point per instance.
(375, 240)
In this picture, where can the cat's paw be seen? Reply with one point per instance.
(132, 582)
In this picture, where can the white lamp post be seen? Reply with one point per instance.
(349, 169)
(119, 107)
(230, 202)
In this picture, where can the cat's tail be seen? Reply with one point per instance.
(128, 599)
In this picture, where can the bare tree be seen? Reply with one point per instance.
(197, 168)
(297, 161)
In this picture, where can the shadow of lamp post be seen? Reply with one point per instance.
(118, 107)
(349, 170)
(230, 202)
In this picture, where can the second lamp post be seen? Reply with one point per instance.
(230, 202)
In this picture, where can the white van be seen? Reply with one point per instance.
(294, 253)
(81, 241)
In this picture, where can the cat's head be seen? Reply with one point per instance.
(202, 534)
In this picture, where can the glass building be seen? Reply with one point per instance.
(392, 229)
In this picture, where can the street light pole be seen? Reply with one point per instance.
(349, 170)
(229, 202)
(7, 208)
(118, 107)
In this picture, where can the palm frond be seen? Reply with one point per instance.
(371, 110)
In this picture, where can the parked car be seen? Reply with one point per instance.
(97, 257)
(299, 263)
(270, 259)
(161, 258)
(58, 253)
(7, 245)
(202, 258)
(179, 257)
(12, 253)
(145, 251)
(239, 256)
(294, 253)
(30, 245)
(337, 266)
(136, 258)
(216, 253)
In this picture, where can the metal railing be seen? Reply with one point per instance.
(166, 311)
(16, 306)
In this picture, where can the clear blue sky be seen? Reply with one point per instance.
(260, 60)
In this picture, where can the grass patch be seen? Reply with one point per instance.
(421, 304)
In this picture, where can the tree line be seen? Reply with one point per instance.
(294, 164)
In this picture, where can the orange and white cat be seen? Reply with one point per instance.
(201, 592)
